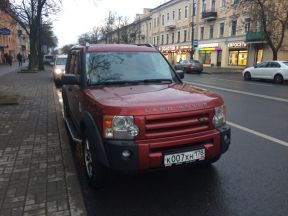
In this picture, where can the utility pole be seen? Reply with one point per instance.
(192, 32)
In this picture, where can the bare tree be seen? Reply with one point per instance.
(273, 17)
(31, 14)
(90, 37)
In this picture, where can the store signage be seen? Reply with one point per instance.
(195, 43)
(168, 48)
(208, 45)
(240, 44)
(185, 47)
(5, 31)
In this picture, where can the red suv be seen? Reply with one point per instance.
(131, 111)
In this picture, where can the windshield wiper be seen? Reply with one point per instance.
(157, 80)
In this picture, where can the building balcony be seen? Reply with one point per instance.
(170, 25)
(209, 15)
(255, 36)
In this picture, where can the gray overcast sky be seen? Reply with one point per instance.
(80, 16)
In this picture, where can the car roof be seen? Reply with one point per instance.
(118, 48)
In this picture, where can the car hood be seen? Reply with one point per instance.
(152, 99)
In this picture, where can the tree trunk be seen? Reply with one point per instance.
(33, 60)
(275, 54)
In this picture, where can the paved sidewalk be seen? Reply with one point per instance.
(37, 171)
(219, 70)
(4, 69)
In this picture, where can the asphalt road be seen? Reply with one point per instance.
(250, 179)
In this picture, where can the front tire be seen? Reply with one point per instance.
(278, 79)
(247, 76)
(95, 172)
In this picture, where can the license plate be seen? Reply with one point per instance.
(184, 157)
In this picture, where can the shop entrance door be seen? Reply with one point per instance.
(219, 58)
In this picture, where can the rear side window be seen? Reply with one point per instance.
(275, 65)
(286, 63)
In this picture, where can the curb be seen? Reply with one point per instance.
(75, 196)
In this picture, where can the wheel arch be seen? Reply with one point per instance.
(87, 124)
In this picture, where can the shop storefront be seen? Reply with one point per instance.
(238, 53)
(176, 53)
(209, 53)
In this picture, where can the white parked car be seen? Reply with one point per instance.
(270, 70)
(59, 67)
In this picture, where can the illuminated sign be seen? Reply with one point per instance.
(240, 44)
(208, 45)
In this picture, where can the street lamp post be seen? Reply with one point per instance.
(192, 32)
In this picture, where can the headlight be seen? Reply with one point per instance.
(120, 127)
(219, 117)
(58, 71)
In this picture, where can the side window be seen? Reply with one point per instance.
(275, 65)
(71, 64)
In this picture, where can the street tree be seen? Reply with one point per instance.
(90, 37)
(31, 14)
(272, 15)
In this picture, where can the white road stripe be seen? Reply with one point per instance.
(281, 142)
(239, 92)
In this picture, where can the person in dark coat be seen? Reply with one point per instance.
(20, 59)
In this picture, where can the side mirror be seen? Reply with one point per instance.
(70, 79)
(180, 73)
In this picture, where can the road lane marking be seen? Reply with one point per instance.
(273, 139)
(239, 92)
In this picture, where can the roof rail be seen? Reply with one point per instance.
(145, 44)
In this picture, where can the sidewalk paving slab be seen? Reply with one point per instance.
(37, 171)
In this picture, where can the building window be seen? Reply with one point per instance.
(203, 6)
(173, 37)
(247, 25)
(158, 38)
(186, 11)
(167, 38)
(179, 14)
(233, 27)
(238, 57)
(162, 39)
(168, 16)
(211, 31)
(154, 23)
(178, 37)
(185, 36)
(202, 33)
(194, 9)
(163, 20)
(223, 3)
(173, 15)
(158, 21)
(236, 1)
(221, 30)
(213, 5)
(150, 26)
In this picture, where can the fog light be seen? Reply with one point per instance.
(126, 153)
(226, 138)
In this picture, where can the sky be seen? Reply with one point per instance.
(80, 16)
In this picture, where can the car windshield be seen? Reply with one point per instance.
(118, 67)
(61, 61)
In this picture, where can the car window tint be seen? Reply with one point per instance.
(275, 65)
(61, 61)
(126, 66)
(262, 65)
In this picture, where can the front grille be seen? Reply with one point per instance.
(174, 124)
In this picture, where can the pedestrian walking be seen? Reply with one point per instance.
(10, 59)
(6, 56)
(20, 59)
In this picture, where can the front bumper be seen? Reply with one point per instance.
(149, 154)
